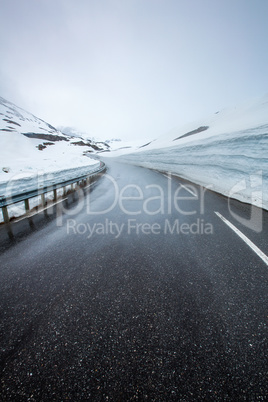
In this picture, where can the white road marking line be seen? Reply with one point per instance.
(38, 211)
(185, 187)
(190, 191)
(244, 238)
(168, 177)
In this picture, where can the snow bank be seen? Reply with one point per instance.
(28, 168)
(23, 165)
(26, 160)
(227, 152)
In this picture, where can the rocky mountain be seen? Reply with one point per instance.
(15, 119)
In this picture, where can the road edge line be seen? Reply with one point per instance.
(244, 238)
(189, 191)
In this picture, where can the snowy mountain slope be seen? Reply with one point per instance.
(14, 119)
(30, 148)
(227, 152)
(73, 132)
(122, 145)
(85, 139)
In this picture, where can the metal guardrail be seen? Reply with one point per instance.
(26, 195)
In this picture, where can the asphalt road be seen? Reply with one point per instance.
(134, 293)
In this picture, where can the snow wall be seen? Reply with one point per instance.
(233, 164)
(22, 182)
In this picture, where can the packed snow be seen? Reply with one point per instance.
(226, 152)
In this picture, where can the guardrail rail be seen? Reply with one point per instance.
(26, 195)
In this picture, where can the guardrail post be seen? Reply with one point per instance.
(55, 195)
(27, 207)
(5, 214)
(43, 200)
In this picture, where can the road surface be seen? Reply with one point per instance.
(141, 290)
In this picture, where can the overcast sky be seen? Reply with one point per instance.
(131, 68)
